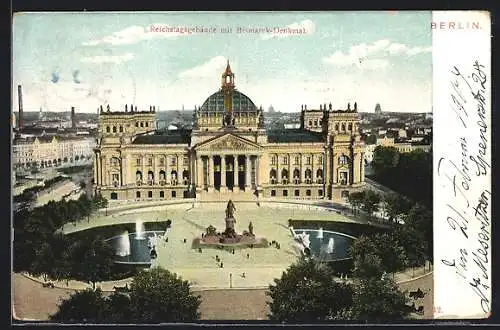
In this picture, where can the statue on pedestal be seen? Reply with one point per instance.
(230, 209)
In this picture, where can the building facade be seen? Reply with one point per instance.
(51, 151)
(228, 151)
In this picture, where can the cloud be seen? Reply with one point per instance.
(117, 59)
(369, 55)
(288, 31)
(135, 33)
(210, 69)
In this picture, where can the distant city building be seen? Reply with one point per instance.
(292, 126)
(50, 151)
(271, 109)
(402, 133)
(378, 109)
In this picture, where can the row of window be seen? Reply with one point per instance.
(284, 160)
(296, 193)
(119, 129)
(114, 195)
(161, 161)
(342, 160)
(318, 123)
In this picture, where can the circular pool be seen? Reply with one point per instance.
(326, 245)
(135, 248)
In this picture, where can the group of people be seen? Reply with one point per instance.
(275, 244)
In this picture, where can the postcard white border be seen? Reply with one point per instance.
(462, 163)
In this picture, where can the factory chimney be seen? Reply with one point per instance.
(73, 118)
(21, 115)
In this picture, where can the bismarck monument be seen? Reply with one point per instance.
(229, 237)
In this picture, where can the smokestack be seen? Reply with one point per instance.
(73, 118)
(21, 115)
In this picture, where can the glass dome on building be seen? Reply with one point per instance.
(240, 102)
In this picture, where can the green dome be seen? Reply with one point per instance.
(241, 102)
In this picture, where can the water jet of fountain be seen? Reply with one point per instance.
(124, 245)
(139, 229)
(320, 233)
(331, 245)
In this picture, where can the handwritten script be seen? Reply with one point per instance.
(468, 209)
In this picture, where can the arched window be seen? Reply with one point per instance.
(310, 122)
(138, 176)
(284, 176)
(162, 194)
(343, 160)
(319, 176)
(185, 177)
(162, 177)
(142, 124)
(272, 176)
(296, 176)
(337, 127)
(151, 177)
(108, 129)
(114, 129)
(173, 177)
(136, 124)
(343, 127)
(349, 126)
(121, 129)
(308, 176)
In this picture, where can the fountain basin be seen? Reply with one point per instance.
(321, 246)
(139, 247)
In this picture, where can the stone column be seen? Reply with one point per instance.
(122, 170)
(334, 168)
(278, 173)
(235, 172)
(95, 168)
(257, 170)
(247, 172)
(313, 175)
(179, 169)
(357, 168)
(362, 163)
(143, 170)
(211, 169)
(223, 172)
(290, 174)
(199, 172)
(302, 169)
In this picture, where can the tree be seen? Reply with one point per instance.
(391, 253)
(378, 299)
(158, 295)
(356, 199)
(413, 244)
(43, 261)
(371, 202)
(368, 266)
(118, 308)
(384, 159)
(307, 291)
(362, 246)
(85, 306)
(421, 220)
(97, 261)
(396, 205)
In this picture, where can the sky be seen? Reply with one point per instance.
(88, 59)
